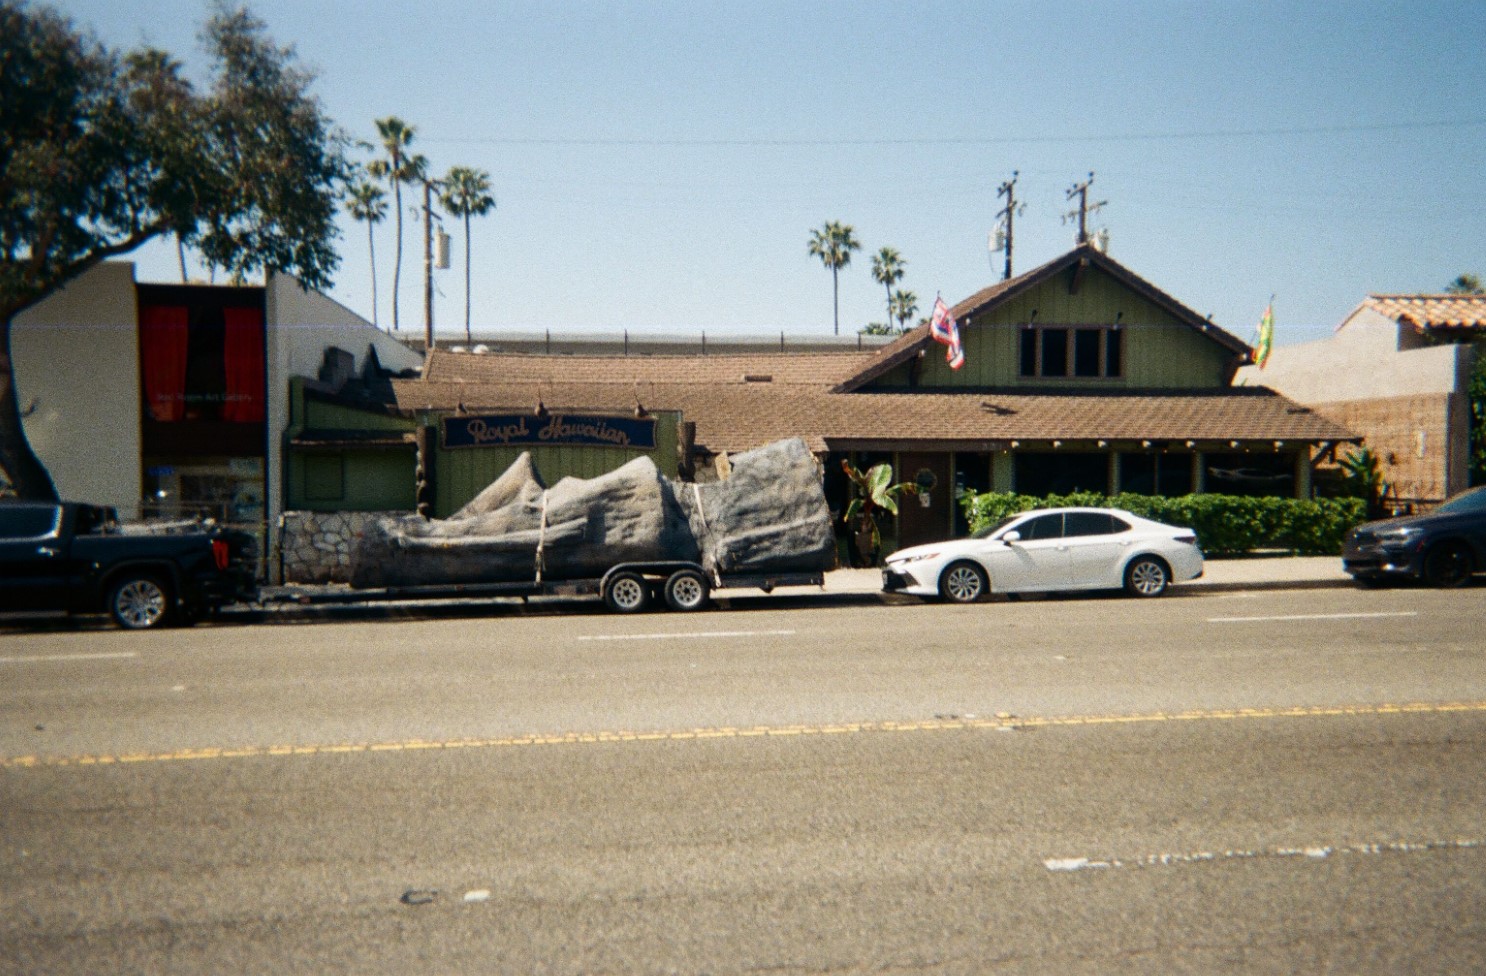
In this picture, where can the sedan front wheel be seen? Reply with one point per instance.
(963, 582)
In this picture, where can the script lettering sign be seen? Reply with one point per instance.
(588, 430)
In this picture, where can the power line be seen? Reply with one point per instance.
(982, 141)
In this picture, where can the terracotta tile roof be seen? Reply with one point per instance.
(908, 346)
(1430, 312)
(740, 416)
(793, 368)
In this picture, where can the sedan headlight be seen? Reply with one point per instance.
(1403, 534)
(915, 558)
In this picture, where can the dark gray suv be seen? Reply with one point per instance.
(1443, 548)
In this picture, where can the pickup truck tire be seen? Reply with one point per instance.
(140, 601)
(626, 592)
(686, 590)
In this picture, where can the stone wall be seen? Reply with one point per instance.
(316, 546)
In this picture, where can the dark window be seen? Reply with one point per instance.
(1154, 473)
(1029, 352)
(28, 522)
(1090, 523)
(1114, 349)
(1043, 473)
(1086, 352)
(1054, 352)
(1042, 527)
(1260, 475)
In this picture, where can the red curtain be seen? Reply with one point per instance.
(243, 342)
(163, 334)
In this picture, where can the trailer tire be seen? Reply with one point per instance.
(626, 592)
(686, 590)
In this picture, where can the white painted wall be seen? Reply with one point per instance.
(76, 359)
(301, 324)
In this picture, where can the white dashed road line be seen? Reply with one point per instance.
(692, 635)
(1311, 616)
(1313, 853)
(37, 658)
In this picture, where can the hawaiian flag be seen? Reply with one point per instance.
(943, 328)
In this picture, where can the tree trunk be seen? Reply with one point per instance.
(467, 277)
(27, 475)
(835, 303)
(371, 242)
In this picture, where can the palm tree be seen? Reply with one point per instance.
(466, 194)
(903, 307)
(833, 244)
(887, 270)
(366, 201)
(396, 136)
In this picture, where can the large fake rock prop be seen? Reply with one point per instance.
(770, 515)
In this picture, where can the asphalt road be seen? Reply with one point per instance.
(1235, 782)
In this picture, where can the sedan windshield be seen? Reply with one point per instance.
(991, 530)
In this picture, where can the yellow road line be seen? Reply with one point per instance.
(729, 732)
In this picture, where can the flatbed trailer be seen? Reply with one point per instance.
(625, 588)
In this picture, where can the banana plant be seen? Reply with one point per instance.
(873, 492)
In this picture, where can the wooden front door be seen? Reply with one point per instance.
(919, 523)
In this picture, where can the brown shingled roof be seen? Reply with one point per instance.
(811, 369)
(741, 416)
(1433, 312)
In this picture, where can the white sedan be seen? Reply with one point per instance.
(1050, 549)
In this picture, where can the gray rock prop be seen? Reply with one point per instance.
(769, 515)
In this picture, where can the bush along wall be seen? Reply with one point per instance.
(1225, 524)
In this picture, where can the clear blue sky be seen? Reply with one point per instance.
(659, 165)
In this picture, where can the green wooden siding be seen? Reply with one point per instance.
(319, 415)
(461, 474)
(1161, 351)
(351, 480)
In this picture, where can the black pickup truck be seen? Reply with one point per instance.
(78, 558)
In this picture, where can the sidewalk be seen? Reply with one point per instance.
(1262, 572)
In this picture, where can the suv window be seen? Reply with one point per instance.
(28, 521)
(1042, 527)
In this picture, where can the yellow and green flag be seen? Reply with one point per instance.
(1266, 336)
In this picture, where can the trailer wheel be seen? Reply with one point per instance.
(686, 590)
(626, 593)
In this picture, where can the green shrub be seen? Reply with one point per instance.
(1225, 524)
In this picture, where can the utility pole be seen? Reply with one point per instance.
(1008, 214)
(428, 218)
(1081, 190)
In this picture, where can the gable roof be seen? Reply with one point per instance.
(1085, 255)
(1433, 312)
(822, 369)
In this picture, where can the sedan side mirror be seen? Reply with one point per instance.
(1011, 537)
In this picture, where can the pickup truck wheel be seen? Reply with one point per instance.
(139, 602)
(686, 590)
(626, 593)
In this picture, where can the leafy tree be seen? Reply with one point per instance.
(101, 152)
(833, 244)
(365, 201)
(396, 136)
(467, 194)
(1465, 284)
(904, 306)
(887, 270)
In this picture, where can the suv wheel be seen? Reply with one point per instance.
(1448, 565)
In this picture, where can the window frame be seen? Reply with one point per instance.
(1108, 346)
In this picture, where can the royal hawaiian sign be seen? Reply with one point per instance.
(586, 430)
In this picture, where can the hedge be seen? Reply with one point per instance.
(1225, 524)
